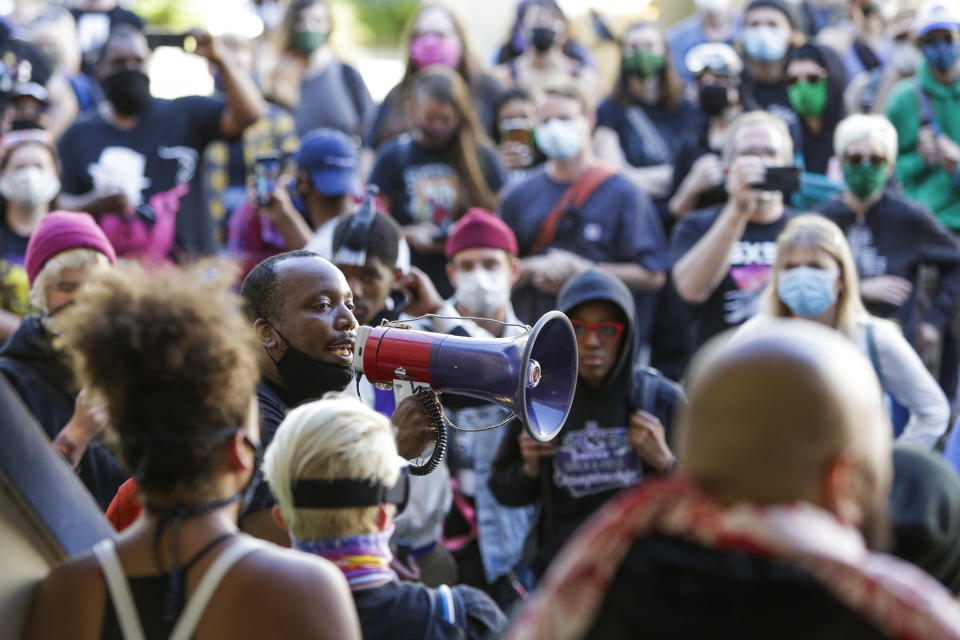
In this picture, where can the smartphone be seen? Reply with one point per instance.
(183, 41)
(785, 179)
(266, 172)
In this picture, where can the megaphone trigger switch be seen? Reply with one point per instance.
(534, 374)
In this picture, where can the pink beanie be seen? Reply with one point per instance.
(60, 231)
(478, 228)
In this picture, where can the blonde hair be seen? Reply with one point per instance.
(335, 437)
(813, 231)
(753, 119)
(876, 129)
(54, 267)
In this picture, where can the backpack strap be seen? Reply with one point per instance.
(203, 592)
(118, 587)
(574, 197)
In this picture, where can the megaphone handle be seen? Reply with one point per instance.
(440, 434)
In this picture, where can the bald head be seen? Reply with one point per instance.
(772, 412)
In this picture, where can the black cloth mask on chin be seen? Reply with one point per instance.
(307, 378)
(128, 90)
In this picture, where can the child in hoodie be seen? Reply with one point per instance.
(616, 431)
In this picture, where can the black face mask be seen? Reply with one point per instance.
(542, 38)
(23, 124)
(127, 90)
(713, 99)
(307, 378)
(435, 137)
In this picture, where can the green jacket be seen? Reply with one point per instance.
(931, 186)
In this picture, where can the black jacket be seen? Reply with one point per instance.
(896, 237)
(674, 589)
(42, 377)
(597, 423)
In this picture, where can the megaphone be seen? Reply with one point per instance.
(534, 374)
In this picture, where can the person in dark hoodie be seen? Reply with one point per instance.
(64, 251)
(925, 505)
(616, 432)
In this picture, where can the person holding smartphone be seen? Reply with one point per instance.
(722, 256)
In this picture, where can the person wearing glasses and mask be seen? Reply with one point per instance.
(892, 238)
(617, 430)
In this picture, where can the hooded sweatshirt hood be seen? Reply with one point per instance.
(595, 285)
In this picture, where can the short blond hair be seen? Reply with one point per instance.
(336, 437)
(567, 89)
(55, 266)
(753, 119)
(877, 129)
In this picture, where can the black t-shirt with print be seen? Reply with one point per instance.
(14, 290)
(158, 155)
(737, 297)
(422, 186)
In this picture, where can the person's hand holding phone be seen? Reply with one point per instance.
(746, 172)
(205, 46)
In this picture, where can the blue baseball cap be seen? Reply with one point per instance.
(330, 157)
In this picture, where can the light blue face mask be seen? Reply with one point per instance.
(559, 139)
(765, 44)
(807, 291)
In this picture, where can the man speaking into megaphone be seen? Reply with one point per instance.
(302, 311)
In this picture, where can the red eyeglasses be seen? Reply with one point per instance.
(606, 331)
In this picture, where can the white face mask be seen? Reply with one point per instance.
(559, 139)
(715, 7)
(483, 291)
(29, 187)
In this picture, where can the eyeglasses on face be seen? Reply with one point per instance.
(859, 158)
(808, 79)
(606, 331)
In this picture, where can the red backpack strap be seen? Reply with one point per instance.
(575, 195)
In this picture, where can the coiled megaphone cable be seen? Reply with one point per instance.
(440, 434)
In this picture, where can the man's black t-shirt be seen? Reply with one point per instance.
(403, 611)
(737, 297)
(156, 162)
(273, 403)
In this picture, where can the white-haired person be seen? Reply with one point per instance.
(892, 237)
(334, 470)
(66, 249)
(814, 277)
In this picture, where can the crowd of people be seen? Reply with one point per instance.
(753, 229)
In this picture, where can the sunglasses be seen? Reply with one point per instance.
(857, 158)
(607, 331)
(933, 40)
(810, 79)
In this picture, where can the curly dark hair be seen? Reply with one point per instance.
(173, 358)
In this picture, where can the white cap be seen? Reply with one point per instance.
(716, 57)
(937, 14)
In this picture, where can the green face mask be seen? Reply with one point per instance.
(644, 63)
(808, 99)
(306, 41)
(865, 179)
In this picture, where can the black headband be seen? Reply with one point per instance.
(339, 493)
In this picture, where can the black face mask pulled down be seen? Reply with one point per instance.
(713, 99)
(128, 91)
(307, 378)
(174, 515)
(542, 38)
